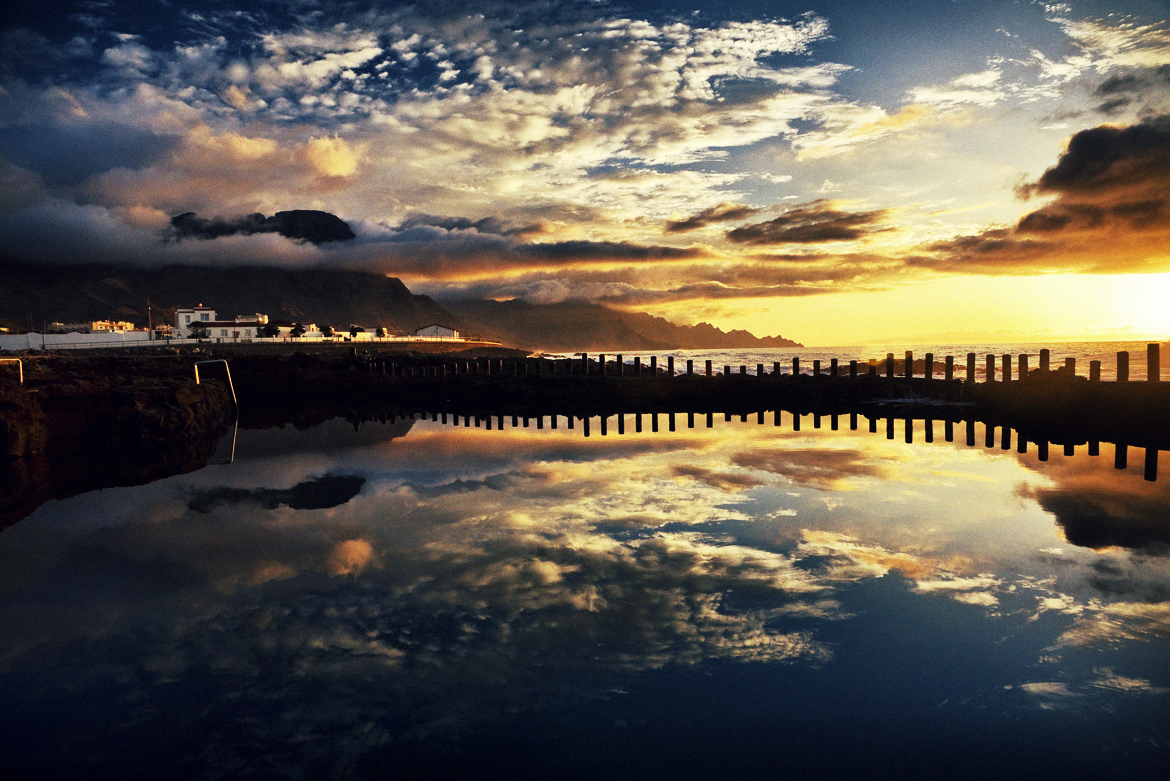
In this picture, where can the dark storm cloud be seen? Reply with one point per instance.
(1109, 159)
(577, 251)
(724, 212)
(68, 154)
(813, 223)
(1111, 211)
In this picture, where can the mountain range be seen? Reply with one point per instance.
(575, 326)
(33, 295)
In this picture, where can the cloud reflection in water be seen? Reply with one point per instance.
(473, 574)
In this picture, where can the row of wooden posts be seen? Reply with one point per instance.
(583, 366)
(1120, 451)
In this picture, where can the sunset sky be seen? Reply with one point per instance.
(835, 172)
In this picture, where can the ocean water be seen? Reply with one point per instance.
(1082, 352)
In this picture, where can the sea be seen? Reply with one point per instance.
(707, 596)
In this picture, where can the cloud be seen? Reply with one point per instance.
(816, 222)
(1110, 213)
(811, 466)
(723, 212)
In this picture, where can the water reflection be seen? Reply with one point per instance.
(719, 597)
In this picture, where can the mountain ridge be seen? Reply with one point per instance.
(581, 326)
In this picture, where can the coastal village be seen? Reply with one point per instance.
(204, 324)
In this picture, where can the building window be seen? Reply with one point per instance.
(205, 316)
(187, 319)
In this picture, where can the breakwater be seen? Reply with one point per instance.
(1047, 402)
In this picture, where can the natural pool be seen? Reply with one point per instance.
(414, 599)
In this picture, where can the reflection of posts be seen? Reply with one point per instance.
(1151, 471)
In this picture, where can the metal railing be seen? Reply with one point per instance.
(226, 369)
(19, 366)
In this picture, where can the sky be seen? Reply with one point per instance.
(837, 173)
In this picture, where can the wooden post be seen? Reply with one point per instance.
(1120, 456)
(776, 418)
(970, 432)
(653, 365)
(1042, 449)
(1123, 366)
(1153, 363)
(816, 368)
(726, 371)
(1007, 368)
(950, 369)
(909, 364)
(690, 420)
(873, 425)
(776, 369)
(708, 367)
(710, 419)
(1023, 366)
(759, 370)
(620, 365)
(889, 365)
(670, 420)
(585, 363)
(1045, 356)
(928, 366)
(604, 424)
(621, 424)
(1094, 371)
(601, 360)
(1070, 365)
(795, 366)
(990, 369)
(889, 428)
(970, 367)
(873, 367)
(690, 367)
(833, 367)
(637, 366)
(1150, 472)
(796, 421)
(853, 370)
(742, 369)
(669, 369)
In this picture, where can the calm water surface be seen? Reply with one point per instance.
(424, 600)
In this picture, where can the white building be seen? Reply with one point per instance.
(184, 318)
